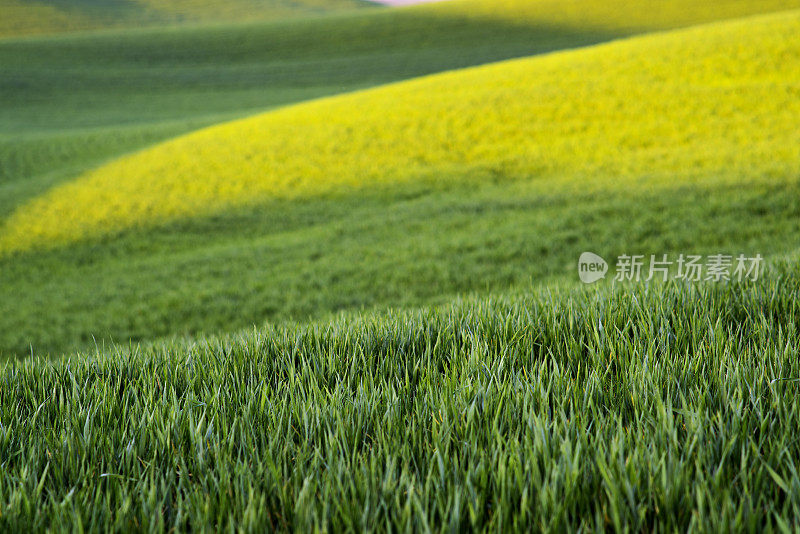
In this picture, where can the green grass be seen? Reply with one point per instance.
(635, 408)
(377, 398)
(406, 246)
(301, 260)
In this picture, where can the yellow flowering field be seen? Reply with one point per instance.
(610, 15)
(712, 103)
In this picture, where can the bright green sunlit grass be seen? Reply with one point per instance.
(638, 409)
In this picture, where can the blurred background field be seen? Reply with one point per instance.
(33, 17)
(428, 226)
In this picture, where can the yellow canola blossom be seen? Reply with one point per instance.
(609, 15)
(719, 102)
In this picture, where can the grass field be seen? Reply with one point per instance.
(313, 268)
(662, 407)
(70, 103)
(435, 219)
(706, 110)
(35, 17)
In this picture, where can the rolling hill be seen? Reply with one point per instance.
(33, 17)
(706, 109)
(424, 358)
(662, 143)
(70, 103)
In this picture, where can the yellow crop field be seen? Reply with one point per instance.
(713, 103)
(610, 15)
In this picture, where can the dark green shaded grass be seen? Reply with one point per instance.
(665, 407)
(417, 245)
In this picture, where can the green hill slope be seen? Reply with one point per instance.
(32, 17)
(70, 103)
(709, 106)
(445, 201)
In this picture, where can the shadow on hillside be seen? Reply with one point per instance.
(334, 54)
(295, 260)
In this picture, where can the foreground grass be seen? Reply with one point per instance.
(638, 407)
(70, 103)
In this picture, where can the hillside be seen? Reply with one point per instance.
(70, 103)
(672, 142)
(33, 17)
(37, 17)
(316, 268)
(689, 108)
(618, 16)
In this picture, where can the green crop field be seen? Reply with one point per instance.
(665, 407)
(71, 104)
(36, 17)
(313, 265)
